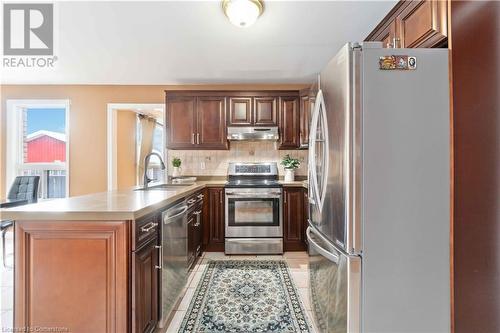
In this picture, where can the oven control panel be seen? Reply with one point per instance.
(255, 169)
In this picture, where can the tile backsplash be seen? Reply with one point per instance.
(215, 162)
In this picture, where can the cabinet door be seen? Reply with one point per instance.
(389, 34)
(181, 122)
(265, 113)
(197, 229)
(423, 24)
(191, 239)
(146, 288)
(305, 118)
(293, 217)
(211, 116)
(67, 272)
(214, 220)
(289, 123)
(240, 111)
(306, 216)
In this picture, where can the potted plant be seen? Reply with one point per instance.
(176, 163)
(290, 164)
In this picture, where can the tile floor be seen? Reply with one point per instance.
(297, 262)
(7, 285)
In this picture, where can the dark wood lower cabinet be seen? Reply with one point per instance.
(294, 214)
(145, 291)
(306, 217)
(213, 219)
(191, 239)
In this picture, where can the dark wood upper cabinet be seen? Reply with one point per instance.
(293, 219)
(240, 111)
(265, 112)
(389, 34)
(196, 122)
(423, 24)
(305, 117)
(199, 119)
(211, 112)
(181, 122)
(146, 288)
(410, 24)
(289, 122)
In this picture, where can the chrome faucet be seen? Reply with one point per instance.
(147, 180)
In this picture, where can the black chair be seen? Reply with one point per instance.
(23, 191)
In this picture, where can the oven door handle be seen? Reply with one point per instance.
(252, 195)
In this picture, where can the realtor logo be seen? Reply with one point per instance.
(28, 29)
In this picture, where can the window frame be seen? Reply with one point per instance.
(14, 156)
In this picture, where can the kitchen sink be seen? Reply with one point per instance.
(165, 187)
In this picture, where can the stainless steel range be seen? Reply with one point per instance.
(254, 221)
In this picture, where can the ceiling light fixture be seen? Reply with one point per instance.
(243, 13)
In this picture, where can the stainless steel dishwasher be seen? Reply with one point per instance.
(174, 255)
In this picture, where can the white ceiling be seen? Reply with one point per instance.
(193, 42)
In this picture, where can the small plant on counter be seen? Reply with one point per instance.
(290, 162)
(176, 162)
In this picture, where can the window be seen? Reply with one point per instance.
(37, 136)
(157, 146)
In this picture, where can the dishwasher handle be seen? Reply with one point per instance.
(160, 257)
(168, 217)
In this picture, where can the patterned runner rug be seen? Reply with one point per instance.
(245, 296)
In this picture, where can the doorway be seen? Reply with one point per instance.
(134, 130)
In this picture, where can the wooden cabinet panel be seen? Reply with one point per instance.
(240, 111)
(85, 262)
(181, 122)
(211, 116)
(289, 123)
(199, 120)
(197, 232)
(145, 292)
(265, 112)
(306, 109)
(306, 216)
(191, 239)
(293, 219)
(389, 35)
(423, 23)
(213, 220)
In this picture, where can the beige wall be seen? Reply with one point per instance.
(126, 174)
(87, 137)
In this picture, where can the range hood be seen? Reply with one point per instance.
(252, 133)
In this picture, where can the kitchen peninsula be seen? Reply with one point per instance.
(96, 256)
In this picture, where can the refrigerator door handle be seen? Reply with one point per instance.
(325, 253)
(319, 113)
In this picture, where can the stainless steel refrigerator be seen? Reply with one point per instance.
(379, 192)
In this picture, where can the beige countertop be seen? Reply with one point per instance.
(111, 206)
